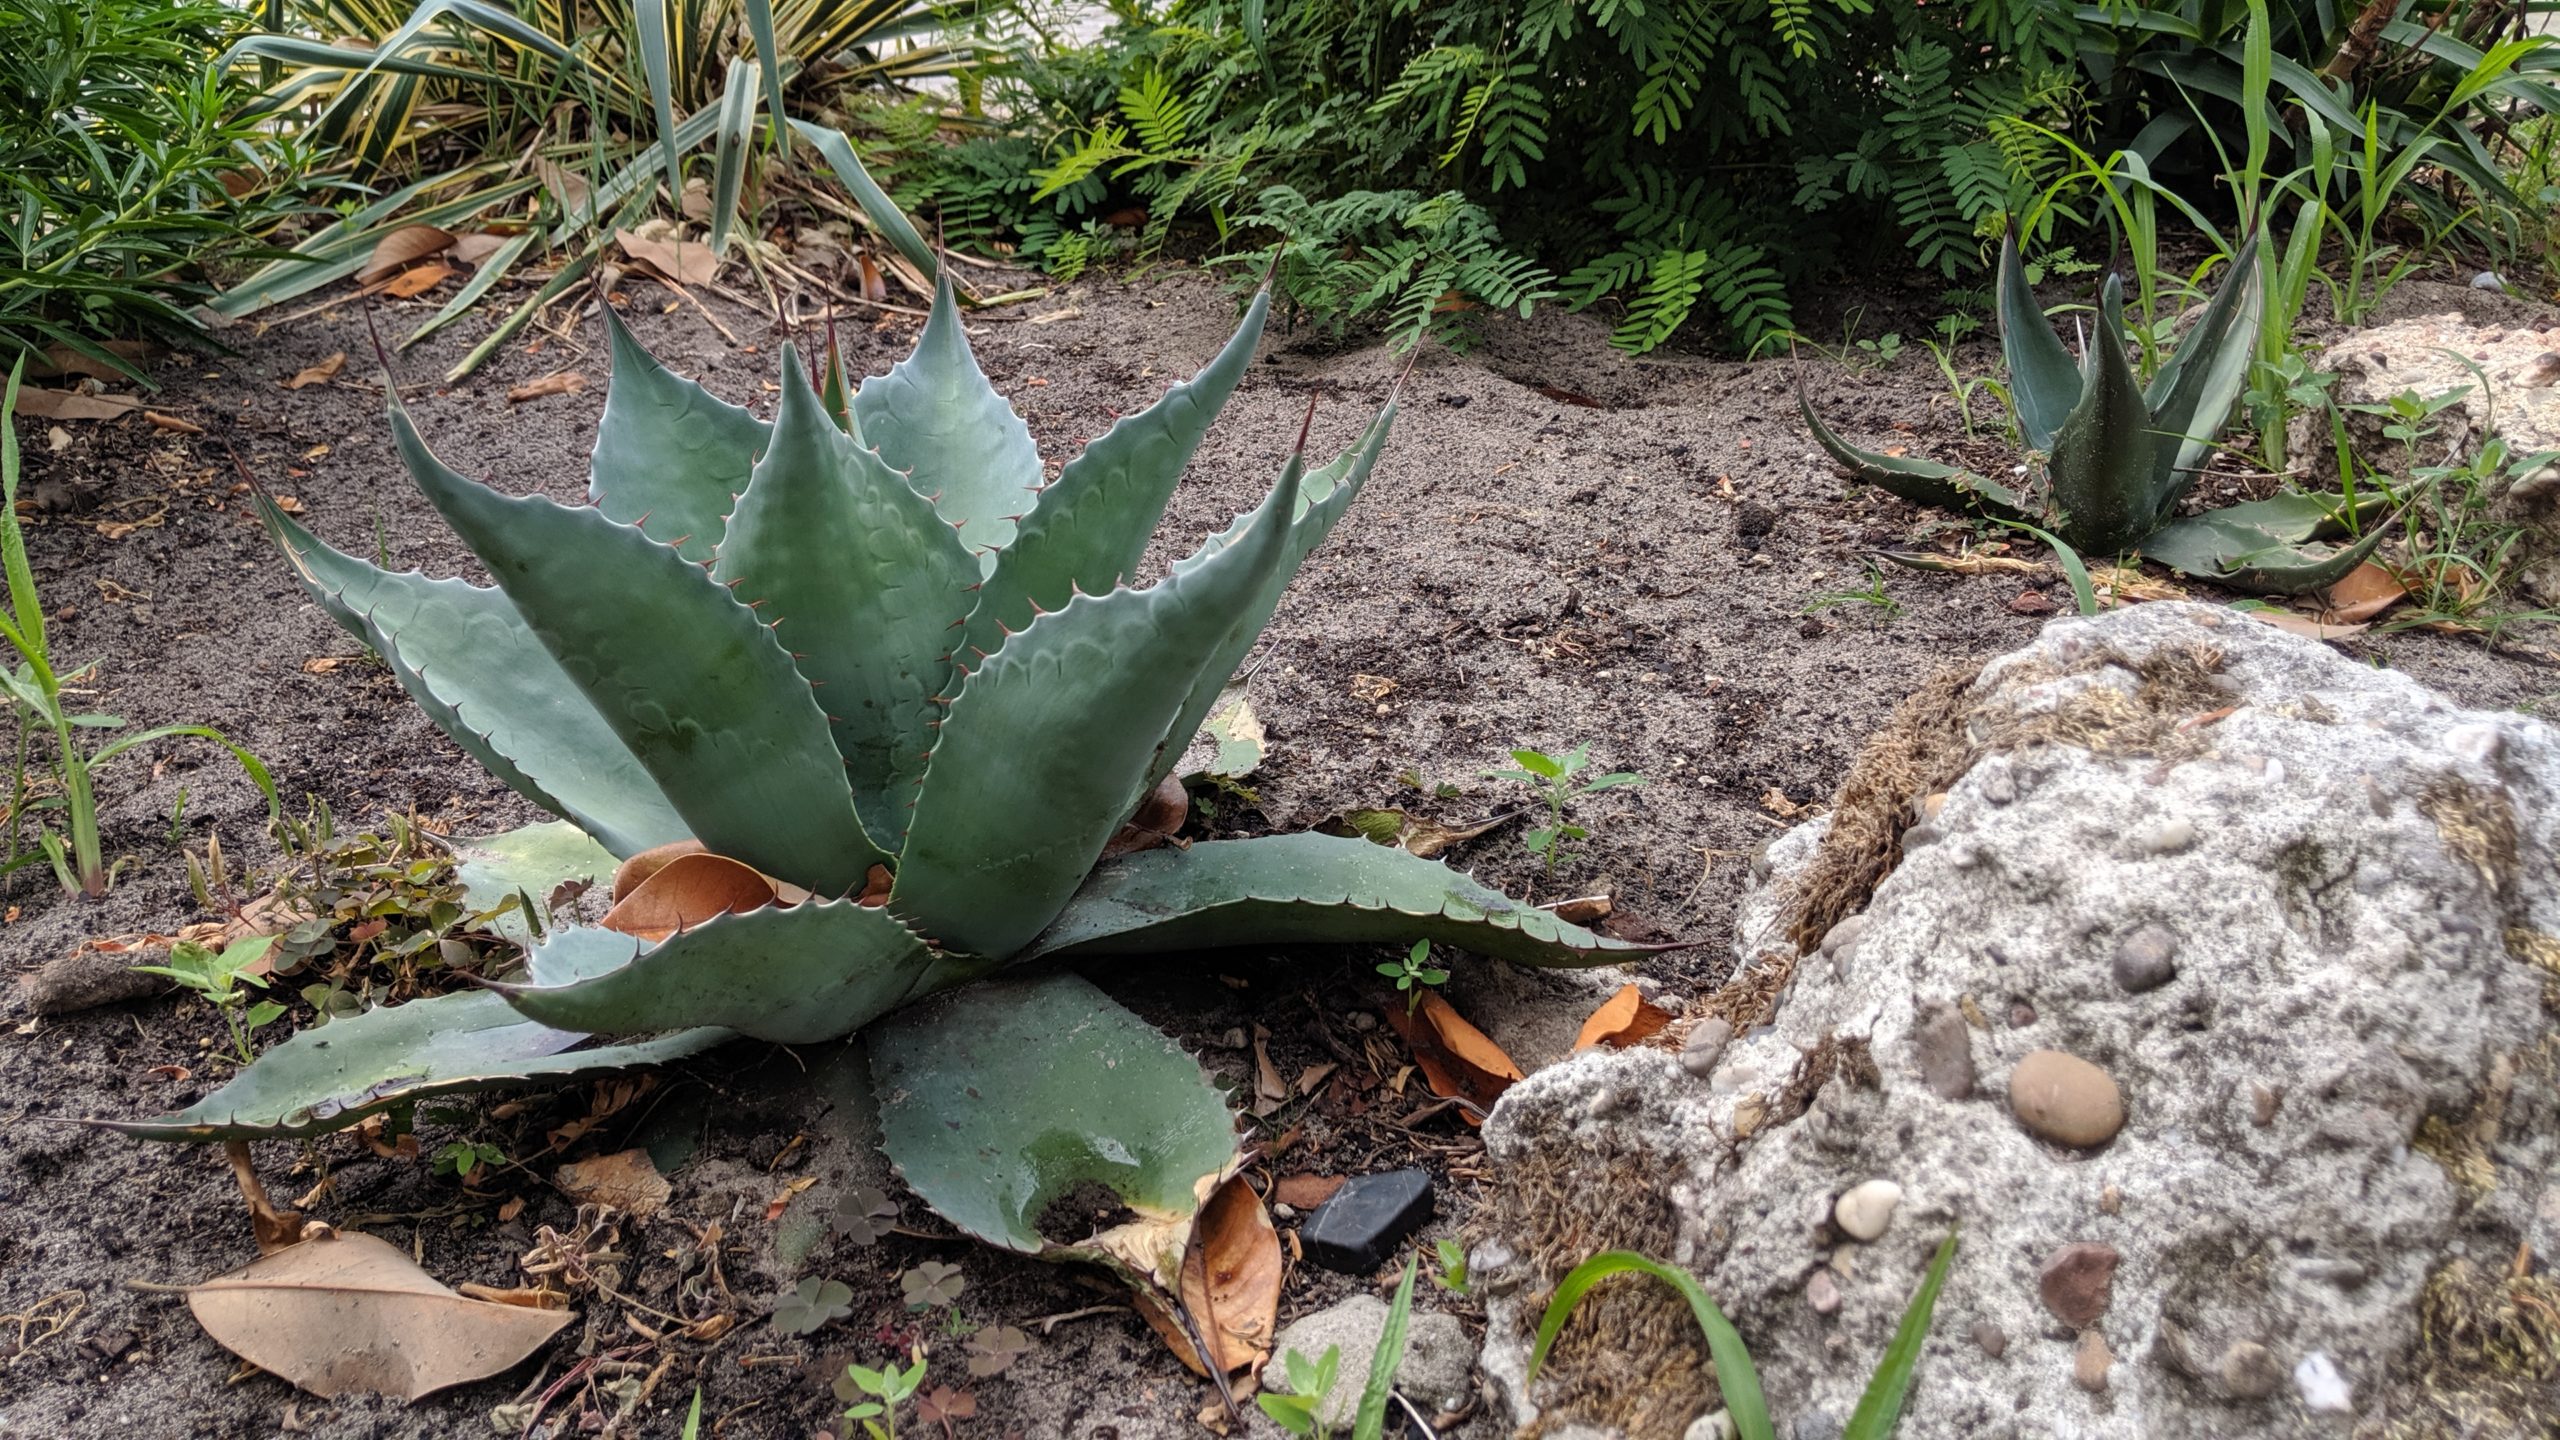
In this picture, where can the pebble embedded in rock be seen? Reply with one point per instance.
(1999, 786)
(1714, 1425)
(1993, 1340)
(2324, 1390)
(1942, 1047)
(2111, 1200)
(2263, 1104)
(2065, 1099)
(2146, 959)
(2077, 1282)
(1865, 1210)
(1706, 1046)
(1815, 1425)
(2251, 1371)
(1846, 932)
(2090, 1362)
(1366, 1219)
(2169, 837)
(1822, 1293)
(2021, 1015)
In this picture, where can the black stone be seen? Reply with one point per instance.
(1356, 1230)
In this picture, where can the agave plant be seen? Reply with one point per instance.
(2110, 458)
(851, 703)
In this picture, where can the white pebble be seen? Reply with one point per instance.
(2324, 1390)
(1864, 1210)
(1714, 1425)
(2477, 743)
(2169, 837)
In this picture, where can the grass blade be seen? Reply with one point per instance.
(1880, 1409)
(1369, 1422)
(2083, 593)
(883, 212)
(650, 16)
(1734, 1375)
(737, 139)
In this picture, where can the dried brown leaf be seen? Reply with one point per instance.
(1231, 1273)
(2364, 592)
(626, 1180)
(558, 382)
(415, 281)
(72, 405)
(1305, 1192)
(688, 889)
(320, 374)
(686, 262)
(401, 248)
(1459, 1061)
(1622, 1020)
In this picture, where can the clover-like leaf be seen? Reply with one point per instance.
(809, 1307)
(931, 1284)
(993, 1350)
(941, 1405)
(864, 1215)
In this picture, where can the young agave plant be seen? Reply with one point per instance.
(2111, 459)
(857, 702)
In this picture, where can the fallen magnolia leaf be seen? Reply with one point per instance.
(64, 360)
(344, 1313)
(1583, 909)
(1458, 1061)
(1417, 836)
(477, 246)
(1270, 1091)
(415, 281)
(626, 1180)
(1622, 1020)
(1231, 1272)
(2364, 592)
(631, 874)
(1160, 817)
(173, 423)
(320, 374)
(1305, 1192)
(686, 262)
(402, 248)
(559, 382)
(690, 888)
(46, 404)
(2304, 625)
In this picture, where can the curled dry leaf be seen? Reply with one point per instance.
(402, 248)
(415, 281)
(477, 246)
(352, 1313)
(689, 889)
(626, 1180)
(629, 875)
(320, 374)
(1159, 819)
(558, 382)
(686, 262)
(1622, 1020)
(1458, 1061)
(1231, 1273)
(1305, 1192)
(1422, 838)
(72, 404)
(172, 423)
(2363, 593)
(2304, 625)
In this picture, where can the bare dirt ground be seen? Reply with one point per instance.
(1561, 545)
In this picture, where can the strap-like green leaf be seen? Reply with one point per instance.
(2042, 379)
(999, 1099)
(1308, 889)
(866, 582)
(1922, 482)
(1090, 529)
(1735, 1376)
(2262, 546)
(935, 416)
(877, 207)
(1880, 1407)
(1046, 748)
(696, 687)
(331, 1076)
(2103, 456)
(737, 138)
(464, 654)
(670, 456)
(809, 973)
(2192, 396)
(1322, 497)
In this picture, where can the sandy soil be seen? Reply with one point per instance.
(1562, 545)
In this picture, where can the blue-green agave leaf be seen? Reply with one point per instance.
(2104, 456)
(330, 1076)
(1308, 889)
(692, 683)
(499, 872)
(794, 976)
(1922, 482)
(2192, 396)
(464, 654)
(2264, 546)
(1090, 529)
(670, 457)
(934, 416)
(866, 583)
(1047, 747)
(2042, 379)
(998, 1099)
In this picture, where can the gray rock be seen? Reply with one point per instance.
(2146, 959)
(1714, 1425)
(1437, 1357)
(2353, 954)
(1705, 1046)
(1942, 1051)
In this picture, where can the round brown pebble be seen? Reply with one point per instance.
(2251, 1371)
(2090, 1362)
(2078, 1282)
(1993, 1340)
(2065, 1099)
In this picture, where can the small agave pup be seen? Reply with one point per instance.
(858, 702)
(2116, 458)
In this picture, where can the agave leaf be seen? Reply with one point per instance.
(2103, 458)
(1922, 482)
(670, 457)
(529, 861)
(2263, 546)
(935, 416)
(999, 1099)
(1323, 495)
(2042, 379)
(2192, 396)
(688, 678)
(794, 976)
(865, 581)
(331, 1076)
(1048, 745)
(1090, 529)
(464, 654)
(1307, 889)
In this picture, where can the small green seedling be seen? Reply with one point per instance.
(463, 1159)
(224, 979)
(693, 1417)
(1872, 595)
(1301, 1412)
(1300, 1409)
(889, 1387)
(1879, 1409)
(1453, 1265)
(1413, 973)
(1552, 778)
